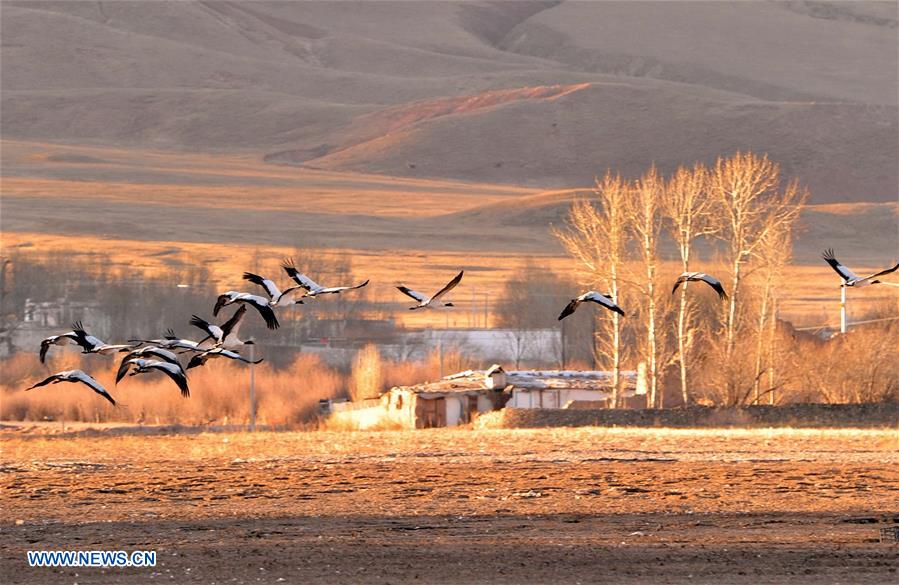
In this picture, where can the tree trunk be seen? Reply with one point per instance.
(772, 340)
(730, 332)
(731, 385)
(682, 344)
(616, 344)
(759, 348)
(651, 340)
(616, 360)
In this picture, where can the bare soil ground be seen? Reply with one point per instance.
(457, 506)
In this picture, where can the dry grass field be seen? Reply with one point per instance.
(456, 506)
(407, 141)
(155, 210)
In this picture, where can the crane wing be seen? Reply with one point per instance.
(213, 331)
(232, 325)
(301, 279)
(236, 356)
(261, 305)
(677, 283)
(337, 289)
(603, 300)
(844, 272)
(45, 346)
(44, 382)
(715, 284)
(569, 308)
(79, 376)
(271, 289)
(87, 342)
(411, 293)
(175, 373)
(882, 272)
(449, 286)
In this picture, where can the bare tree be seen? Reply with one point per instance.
(752, 203)
(367, 374)
(644, 219)
(856, 367)
(597, 238)
(773, 253)
(690, 213)
(530, 301)
(8, 313)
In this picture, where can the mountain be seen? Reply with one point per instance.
(543, 94)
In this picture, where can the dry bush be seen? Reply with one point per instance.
(407, 373)
(219, 393)
(860, 366)
(368, 374)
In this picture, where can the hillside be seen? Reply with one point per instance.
(544, 94)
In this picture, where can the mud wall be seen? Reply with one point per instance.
(794, 415)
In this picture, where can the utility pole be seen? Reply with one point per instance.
(842, 309)
(562, 337)
(252, 390)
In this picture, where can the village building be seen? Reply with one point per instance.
(569, 389)
(459, 399)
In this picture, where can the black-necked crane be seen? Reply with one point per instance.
(91, 344)
(849, 277)
(142, 366)
(277, 297)
(593, 297)
(218, 352)
(172, 342)
(75, 376)
(153, 352)
(167, 337)
(701, 276)
(313, 289)
(226, 335)
(67, 338)
(259, 303)
(424, 301)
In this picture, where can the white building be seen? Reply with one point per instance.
(458, 399)
(500, 345)
(561, 389)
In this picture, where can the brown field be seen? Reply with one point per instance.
(456, 506)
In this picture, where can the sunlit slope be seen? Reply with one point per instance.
(524, 93)
(784, 51)
(841, 151)
(156, 211)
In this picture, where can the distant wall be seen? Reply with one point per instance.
(367, 415)
(793, 415)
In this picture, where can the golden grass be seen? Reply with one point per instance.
(424, 271)
(219, 392)
(810, 297)
(222, 181)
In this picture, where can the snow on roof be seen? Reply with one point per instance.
(474, 380)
